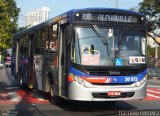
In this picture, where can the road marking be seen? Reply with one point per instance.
(151, 95)
(12, 88)
(154, 86)
(41, 99)
(153, 91)
(30, 97)
(3, 94)
(14, 97)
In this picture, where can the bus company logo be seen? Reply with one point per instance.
(108, 80)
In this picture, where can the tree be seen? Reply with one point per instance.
(150, 52)
(22, 28)
(8, 22)
(151, 8)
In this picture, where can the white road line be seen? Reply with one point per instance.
(153, 91)
(155, 86)
(151, 95)
(14, 97)
(13, 88)
(41, 99)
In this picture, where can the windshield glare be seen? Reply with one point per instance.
(108, 46)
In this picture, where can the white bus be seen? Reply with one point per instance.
(93, 54)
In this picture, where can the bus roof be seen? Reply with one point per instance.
(109, 9)
(70, 15)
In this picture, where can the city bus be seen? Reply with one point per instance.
(90, 54)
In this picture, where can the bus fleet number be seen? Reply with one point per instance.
(132, 79)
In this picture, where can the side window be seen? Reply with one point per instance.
(44, 39)
(38, 43)
(25, 48)
(53, 45)
(21, 45)
(14, 47)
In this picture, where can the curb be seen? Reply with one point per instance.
(155, 78)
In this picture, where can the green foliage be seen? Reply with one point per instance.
(151, 8)
(22, 28)
(133, 8)
(150, 52)
(8, 22)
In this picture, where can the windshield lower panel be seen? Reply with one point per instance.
(102, 46)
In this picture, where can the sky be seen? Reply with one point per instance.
(60, 6)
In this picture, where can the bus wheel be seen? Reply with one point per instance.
(53, 98)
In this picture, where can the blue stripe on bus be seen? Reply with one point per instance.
(115, 79)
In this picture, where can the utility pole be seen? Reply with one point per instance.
(156, 46)
(116, 3)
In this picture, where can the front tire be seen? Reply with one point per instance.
(53, 98)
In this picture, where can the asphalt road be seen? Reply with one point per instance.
(22, 108)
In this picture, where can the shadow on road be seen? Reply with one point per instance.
(96, 106)
(22, 108)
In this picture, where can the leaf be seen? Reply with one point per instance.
(8, 11)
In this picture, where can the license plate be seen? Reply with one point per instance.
(114, 93)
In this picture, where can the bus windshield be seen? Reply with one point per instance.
(103, 46)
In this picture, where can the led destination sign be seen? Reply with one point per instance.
(114, 18)
(107, 17)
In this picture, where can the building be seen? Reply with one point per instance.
(37, 16)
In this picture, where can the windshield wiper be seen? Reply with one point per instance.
(103, 39)
(98, 33)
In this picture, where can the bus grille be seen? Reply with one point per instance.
(113, 72)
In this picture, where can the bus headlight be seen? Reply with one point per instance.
(139, 83)
(81, 81)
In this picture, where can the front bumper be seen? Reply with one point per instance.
(99, 93)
